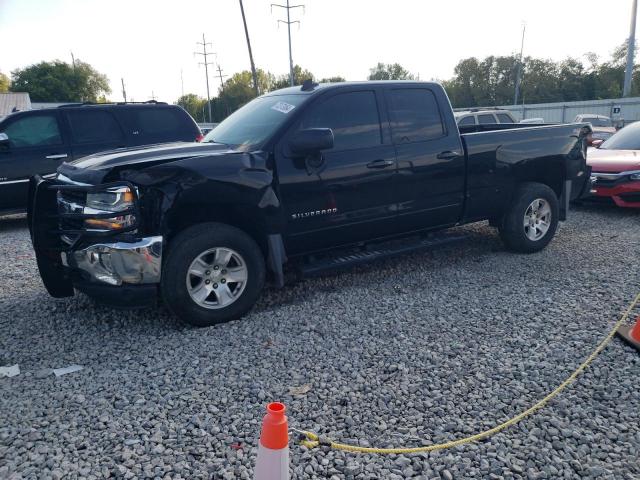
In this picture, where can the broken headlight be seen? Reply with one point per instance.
(112, 200)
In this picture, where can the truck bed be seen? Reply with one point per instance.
(501, 156)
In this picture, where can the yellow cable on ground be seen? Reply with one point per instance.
(313, 440)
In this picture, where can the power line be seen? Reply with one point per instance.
(288, 22)
(253, 67)
(206, 64)
(631, 47)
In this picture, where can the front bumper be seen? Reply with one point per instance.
(117, 263)
(93, 262)
(619, 187)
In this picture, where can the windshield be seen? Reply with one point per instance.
(598, 122)
(626, 139)
(256, 121)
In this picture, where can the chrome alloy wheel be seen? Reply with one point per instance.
(217, 278)
(537, 219)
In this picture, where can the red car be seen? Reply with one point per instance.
(615, 166)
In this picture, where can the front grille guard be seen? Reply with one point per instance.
(80, 235)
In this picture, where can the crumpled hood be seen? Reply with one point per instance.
(93, 168)
(613, 161)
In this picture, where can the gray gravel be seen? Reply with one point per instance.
(421, 349)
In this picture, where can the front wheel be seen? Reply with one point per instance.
(213, 273)
(532, 219)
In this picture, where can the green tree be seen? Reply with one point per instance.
(336, 79)
(60, 82)
(463, 87)
(5, 83)
(491, 81)
(299, 76)
(541, 81)
(390, 71)
(238, 90)
(573, 82)
(194, 105)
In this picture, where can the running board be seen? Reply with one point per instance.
(368, 253)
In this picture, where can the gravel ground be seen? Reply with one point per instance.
(409, 351)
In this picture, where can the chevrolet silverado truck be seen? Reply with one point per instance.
(316, 177)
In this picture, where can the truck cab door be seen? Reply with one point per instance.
(431, 164)
(344, 195)
(36, 145)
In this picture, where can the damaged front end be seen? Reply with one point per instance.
(86, 237)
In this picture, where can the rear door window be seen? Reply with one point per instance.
(415, 115)
(470, 120)
(158, 121)
(504, 118)
(34, 131)
(486, 119)
(93, 126)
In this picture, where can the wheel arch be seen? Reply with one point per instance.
(243, 217)
(550, 171)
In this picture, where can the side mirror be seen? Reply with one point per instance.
(311, 140)
(4, 142)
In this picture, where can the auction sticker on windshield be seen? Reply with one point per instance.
(283, 107)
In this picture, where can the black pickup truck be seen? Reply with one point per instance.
(300, 175)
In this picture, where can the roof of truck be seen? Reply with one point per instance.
(311, 87)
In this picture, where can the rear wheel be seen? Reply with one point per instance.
(532, 219)
(213, 273)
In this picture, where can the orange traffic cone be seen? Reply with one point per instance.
(631, 335)
(273, 449)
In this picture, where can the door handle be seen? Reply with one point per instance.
(380, 163)
(447, 155)
(57, 156)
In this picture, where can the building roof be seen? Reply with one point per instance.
(14, 101)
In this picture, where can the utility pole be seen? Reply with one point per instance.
(206, 64)
(73, 62)
(220, 76)
(153, 96)
(181, 83)
(631, 47)
(253, 67)
(519, 71)
(124, 92)
(288, 23)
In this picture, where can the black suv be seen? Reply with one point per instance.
(38, 141)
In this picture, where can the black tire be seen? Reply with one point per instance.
(512, 230)
(189, 245)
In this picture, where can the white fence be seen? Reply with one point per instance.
(624, 110)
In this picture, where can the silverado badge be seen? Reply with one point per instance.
(314, 213)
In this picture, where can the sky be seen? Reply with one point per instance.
(150, 42)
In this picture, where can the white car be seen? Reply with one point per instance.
(477, 116)
(533, 120)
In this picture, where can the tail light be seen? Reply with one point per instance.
(199, 138)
